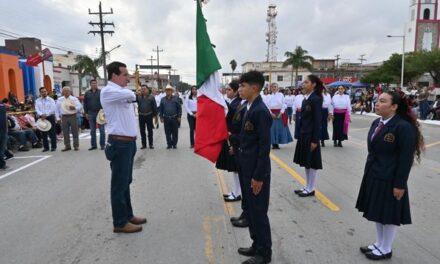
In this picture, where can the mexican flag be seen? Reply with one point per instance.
(211, 129)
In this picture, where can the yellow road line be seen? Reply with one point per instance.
(229, 208)
(209, 248)
(432, 144)
(320, 196)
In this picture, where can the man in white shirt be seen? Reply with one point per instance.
(117, 103)
(67, 107)
(46, 109)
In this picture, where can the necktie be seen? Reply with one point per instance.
(378, 129)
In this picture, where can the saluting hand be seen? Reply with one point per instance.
(398, 193)
(313, 146)
(256, 186)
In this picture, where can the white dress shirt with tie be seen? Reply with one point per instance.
(117, 103)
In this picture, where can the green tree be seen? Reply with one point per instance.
(299, 58)
(85, 66)
(429, 61)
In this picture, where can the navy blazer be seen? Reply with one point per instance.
(3, 119)
(311, 115)
(255, 142)
(391, 152)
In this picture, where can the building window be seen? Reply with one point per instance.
(266, 78)
(299, 78)
(279, 78)
(426, 14)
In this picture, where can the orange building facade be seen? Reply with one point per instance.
(11, 77)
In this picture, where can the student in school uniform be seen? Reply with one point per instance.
(341, 116)
(327, 114)
(394, 140)
(254, 164)
(290, 101)
(297, 111)
(308, 151)
(280, 133)
(226, 160)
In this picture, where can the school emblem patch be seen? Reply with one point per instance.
(389, 137)
(248, 126)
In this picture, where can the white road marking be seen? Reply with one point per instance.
(41, 158)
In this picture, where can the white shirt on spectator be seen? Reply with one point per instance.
(276, 101)
(117, 103)
(298, 102)
(341, 102)
(191, 105)
(73, 99)
(45, 106)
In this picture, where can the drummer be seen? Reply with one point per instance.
(92, 105)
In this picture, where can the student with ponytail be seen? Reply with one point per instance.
(307, 151)
(394, 141)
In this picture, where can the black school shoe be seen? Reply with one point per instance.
(257, 259)
(367, 249)
(241, 223)
(299, 191)
(372, 256)
(307, 194)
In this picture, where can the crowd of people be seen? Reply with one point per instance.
(257, 120)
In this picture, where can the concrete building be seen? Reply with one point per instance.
(23, 46)
(11, 78)
(275, 72)
(64, 75)
(423, 28)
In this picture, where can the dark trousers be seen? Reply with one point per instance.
(23, 136)
(121, 156)
(50, 133)
(92, 124)
(171, 130)
(70, 123)
(3, 139)
(259, 226)
(148, 120)
(242, 186)
(192, 128)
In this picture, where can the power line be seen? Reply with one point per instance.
(102, 32)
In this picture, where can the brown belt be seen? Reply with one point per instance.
(121, 138)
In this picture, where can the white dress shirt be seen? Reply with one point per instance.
(118, 106)
(276, 101)
(289, 100)
(191, 105)
(265, 98)
(45, 106)
(298, 102)
(341, 102)
(73, 99)
(327, 103)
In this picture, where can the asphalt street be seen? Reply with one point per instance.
(55, 208)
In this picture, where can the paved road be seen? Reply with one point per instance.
(57, 209)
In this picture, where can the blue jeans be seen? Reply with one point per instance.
(121, 156)
(171, 130)
(24, 135)
(92, 124)
(3, 139)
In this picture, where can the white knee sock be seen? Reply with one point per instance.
(311, 180)
(379, 235)
(389, 233)
(307, 179)
(236, 179)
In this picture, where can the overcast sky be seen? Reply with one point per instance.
(237, 27)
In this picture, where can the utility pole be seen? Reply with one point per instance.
(157, 50)
(101, 32)
(362, 62)
(338, 57)
(151, 62)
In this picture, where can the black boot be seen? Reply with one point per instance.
(340, 143)
(335, 144)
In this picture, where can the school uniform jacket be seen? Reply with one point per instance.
(391, 152)
(311, 114)
(255, 142)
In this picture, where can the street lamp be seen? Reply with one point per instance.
(403, 57)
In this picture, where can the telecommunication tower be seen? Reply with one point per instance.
(272, 33)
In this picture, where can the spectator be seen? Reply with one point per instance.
(3, 135)
(22, 136)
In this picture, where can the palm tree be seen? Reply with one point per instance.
(85, 66)
(233, 67)
(298, 59)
